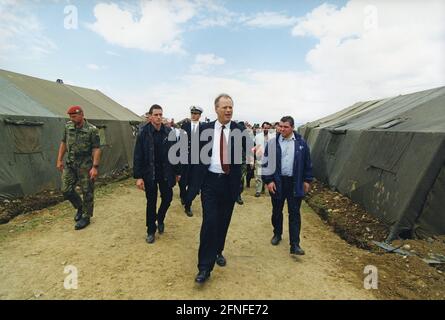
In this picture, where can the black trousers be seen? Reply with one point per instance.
(151, 193)
(293, 205)
(250, 174)
(183, 186)
(217, 204)
(189, 185)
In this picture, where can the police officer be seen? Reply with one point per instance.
(189, 185)
(81, 142)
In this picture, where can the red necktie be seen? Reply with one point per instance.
(223, 152)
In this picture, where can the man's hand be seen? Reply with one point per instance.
(140, 184)
(306, 187)
(60, 165)
(93, 174)
(178, 178)
(62, 150)
(272, 188)
(259, 152)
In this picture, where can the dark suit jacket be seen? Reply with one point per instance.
(144, 159)
(235, 164)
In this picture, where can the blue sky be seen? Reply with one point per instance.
(275, 57)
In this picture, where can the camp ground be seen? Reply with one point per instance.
(387, 155)
(32, 119)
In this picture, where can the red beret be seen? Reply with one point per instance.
(74, 110)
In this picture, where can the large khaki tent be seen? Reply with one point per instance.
(32, 118)
(389, 156)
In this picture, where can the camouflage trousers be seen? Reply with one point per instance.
(71, 177)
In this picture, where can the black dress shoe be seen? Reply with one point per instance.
(257, 195)
(295, 249)
(161, 228)
(82, 223)
(188, 211)
(220, 260)
(150, 238)
(78, 215)
(275, 240)
(240, 201)
(202, 276)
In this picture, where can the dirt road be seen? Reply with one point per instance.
(114, 261)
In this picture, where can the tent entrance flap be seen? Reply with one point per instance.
(26, 135)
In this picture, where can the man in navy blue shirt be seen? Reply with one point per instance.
(287, 172)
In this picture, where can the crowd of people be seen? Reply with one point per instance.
(211, 164)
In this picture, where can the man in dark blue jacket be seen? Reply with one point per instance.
(287, 172)
(152, 169)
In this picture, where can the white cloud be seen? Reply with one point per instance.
(21, 33)
(95, 67)
(111, 53)
(204, 62)
(154, 27)
(357, 58)
(258, 96)
(373, 49)
(269, 20)
(211, 14)
(209, 59)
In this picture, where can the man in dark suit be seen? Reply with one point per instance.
(220, 187)
(153, 170)
(287, 172)
(189, 183)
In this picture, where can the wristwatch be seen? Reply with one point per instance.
(95, 166)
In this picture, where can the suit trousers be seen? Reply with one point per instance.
(189, 184)
(217, 204)
(183, 185)
(293, 205)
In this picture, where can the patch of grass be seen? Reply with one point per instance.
(318, 201)
(107, 189)
(32, 220)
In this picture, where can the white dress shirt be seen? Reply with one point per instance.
(194, 126)
(215, 163)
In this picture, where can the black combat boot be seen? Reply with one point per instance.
(188, 210)
(82, 223)
(78, 215)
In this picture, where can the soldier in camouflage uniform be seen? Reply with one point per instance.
(81, 142)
